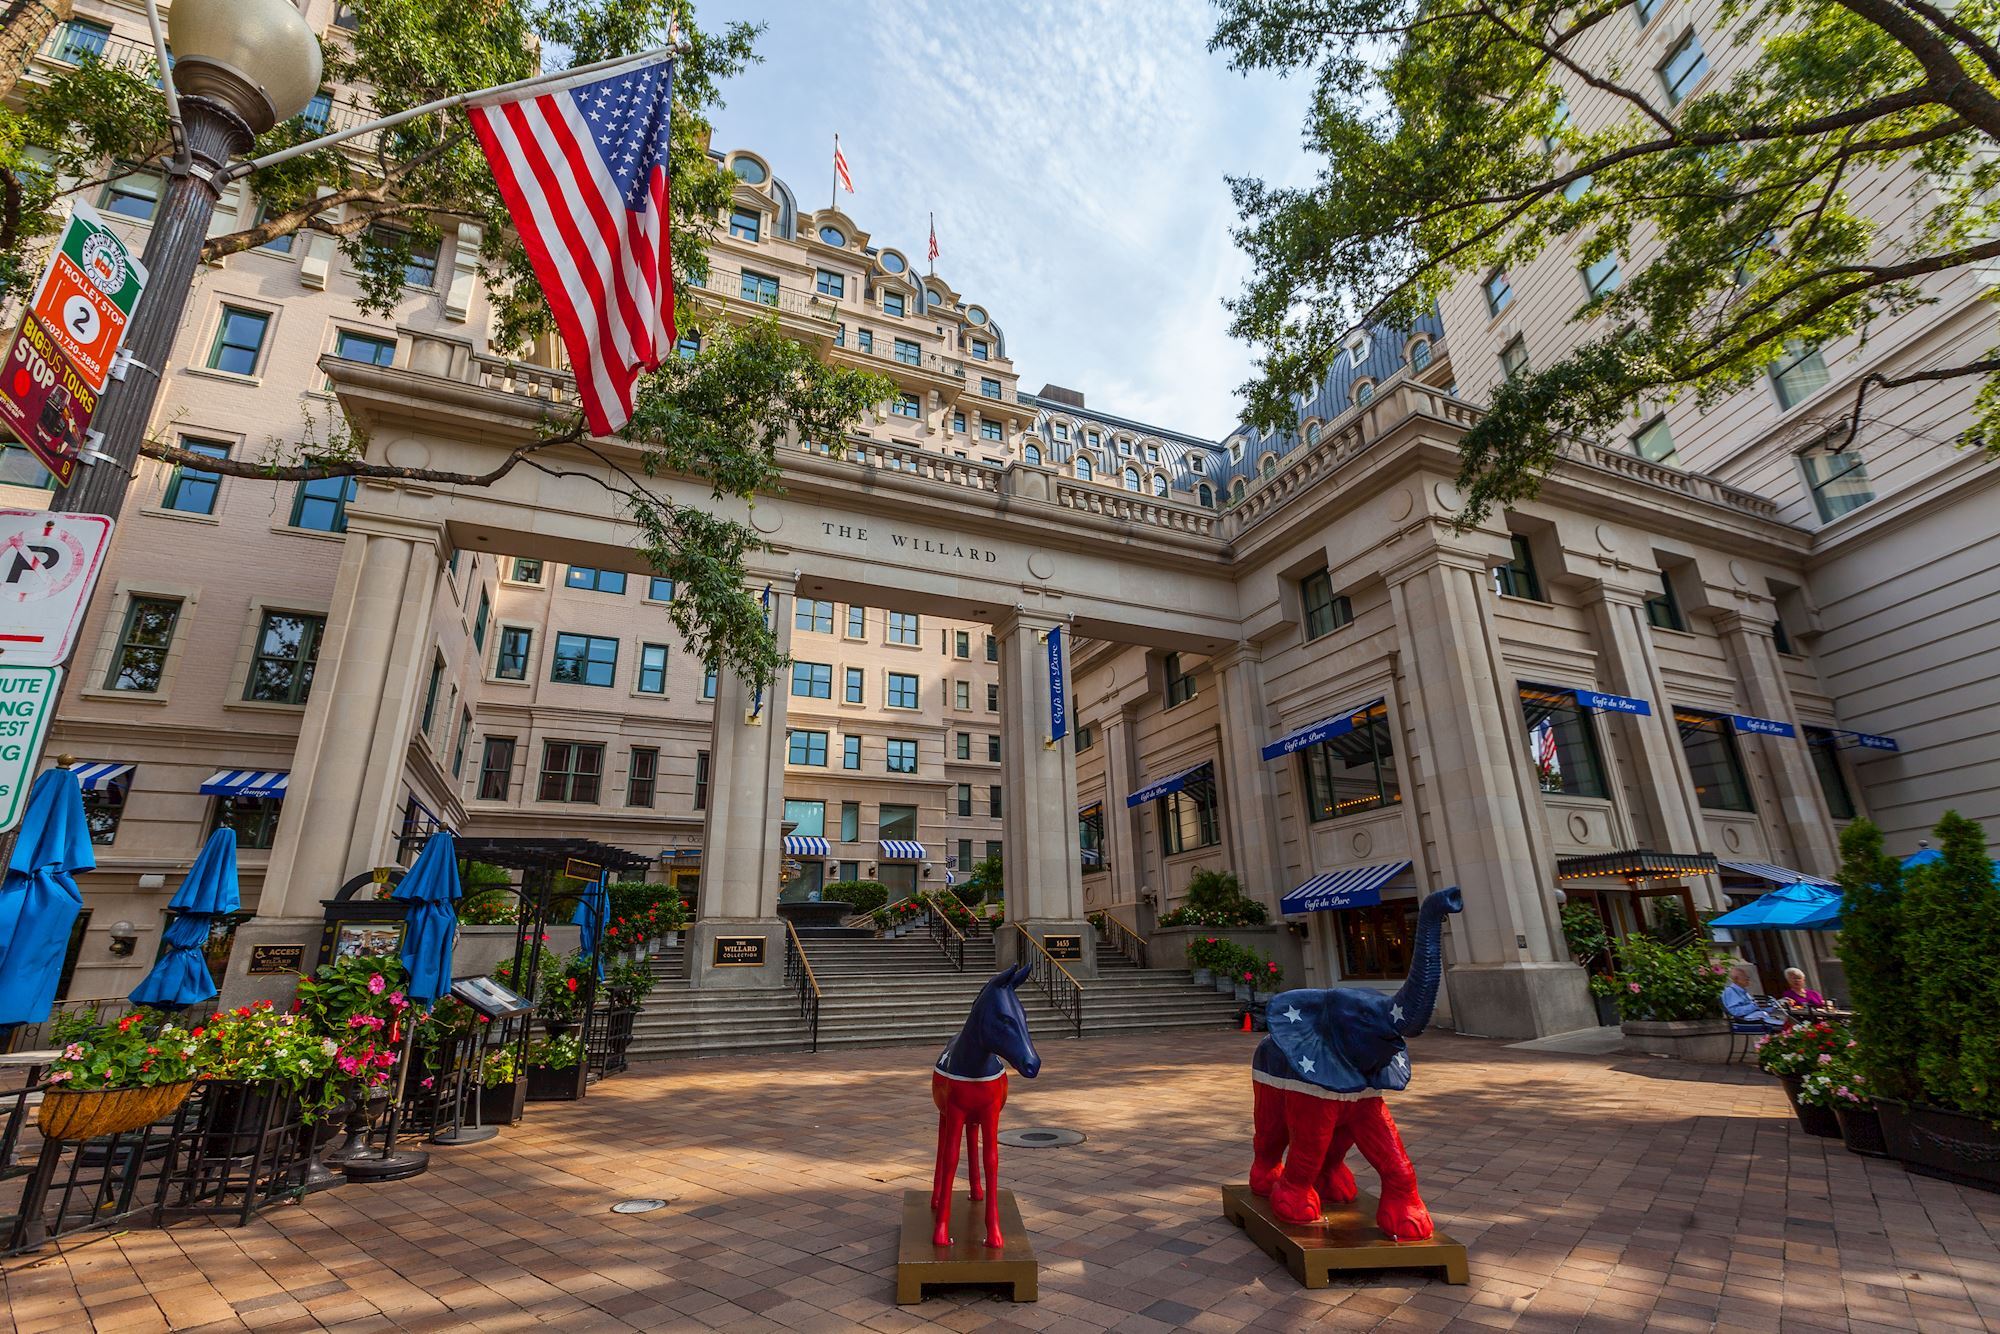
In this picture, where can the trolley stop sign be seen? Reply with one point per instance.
(27, 703)
(87, 296)
(48, 564)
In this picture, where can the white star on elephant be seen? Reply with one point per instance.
(1293, 1014)
(1306, 1064)
(1396, 1014)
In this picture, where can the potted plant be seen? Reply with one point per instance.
(555, 1068)
(503, 1090)
(258, 1062)
(359, 1005)
(1228, 966)
(1801, 1054)
(1244, 973)
(1215, 898)
(1202, 953)
(1669, 1000)
(1270, 977)
(1590, 946)
(1847, 1094)
(113, 1078)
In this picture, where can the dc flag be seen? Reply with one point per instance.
(582, 166)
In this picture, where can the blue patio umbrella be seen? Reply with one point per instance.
(1926, 856)
(39, 899)
(593, 911)
(182, 977)
(1800, 907)
(432, 891)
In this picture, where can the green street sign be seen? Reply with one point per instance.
(27, 703)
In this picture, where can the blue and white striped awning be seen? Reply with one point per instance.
(96, 775)
(1777, 875)
(1356, 887)
(246, 783)
(1167, 786)
(902, 850)
(804, 845)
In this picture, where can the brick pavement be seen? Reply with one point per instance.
(1594, 1192)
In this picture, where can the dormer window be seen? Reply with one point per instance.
(745, 224)
(978, 350)
(1084, 472)
(1061, 433)
(1125, 449)
(1159, 484)
(1152, 453)
(1363, 391)
(1357, 349)
(1197, 463)
(1236, 451)
(892, 303)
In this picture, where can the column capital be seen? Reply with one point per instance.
(1738, 620)
(1230, 656)
(424, 532)
(1034, 620)
(1423, 560)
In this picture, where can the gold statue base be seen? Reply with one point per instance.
(919, 1264)
(1346, 1238)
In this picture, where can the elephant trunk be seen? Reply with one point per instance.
(1419, 992)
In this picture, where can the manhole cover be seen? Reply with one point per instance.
(1040, 1137)
(638, 1206)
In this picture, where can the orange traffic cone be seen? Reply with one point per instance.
(1247, 1027)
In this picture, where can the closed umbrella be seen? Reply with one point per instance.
(432, 891)
(182, 976)
(593, 911)
(39, 899)
(1799, 907)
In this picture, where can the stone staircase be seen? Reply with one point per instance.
(877, 992)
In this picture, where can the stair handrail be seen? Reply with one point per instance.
(799, 976)
(947, 935)
(1057, 982)
(1126, 940)
(869, 916)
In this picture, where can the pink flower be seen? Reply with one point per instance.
(58, 1076)
(1632, 987)
(1825, 1059)
(73, 1052)
(427, 1081)
(375, 984)
(396, 999)
(348, 1064)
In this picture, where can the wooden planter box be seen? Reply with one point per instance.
(501, 1104)
(545, 1084)
(1935, 1142)
(1861, 1131)
(1703, 1040)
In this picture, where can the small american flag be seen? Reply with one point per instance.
(582, 167)
(840, 167)
(934, 249)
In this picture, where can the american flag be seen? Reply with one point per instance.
(840, 167)
(934, 249)
(582, 166)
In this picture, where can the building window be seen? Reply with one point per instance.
(1187, 817)
(1499, 292)
(239, 340)
(1562, 742)
(1031, 454)
(745, 224)
(255, 819)
(140, 662)
(902, 691)
(659, 590)
(992, 749)
(807, 818)
(851, 686)
(1781, 639)
(828, 283)
(480, 619)
(134, 195)
(961, 694)
(190, 490)
(850, 752)
(1205, 496)
(1824, 747)
(992, 697)
(708, 681)
(850, 822)
(992, 648)
(812, 615)
(958, 423)
(989, 388)
(805, 747)
(896, 821)
(992, 848)
(965, 799)
(1159, 485)
(584, 660)
(571, 771)
(1352, 773)
(1602, 275)
(1326, 611)
(1713, 761)
(81, 40)
(1643, 11)
(993, 801)
(1663, 609)
(515, 642)
(902, 756)
(1838, 479)
(990, 430)
(1131, 479)
(907, 352)
(526, 571)
(865, 340)
(1517, 578)
(594, 580)
(689, 345)
(458, 744)
(964, 751)
(812, 680)
(961, 644)
(1798, 374)
(906, 405)
(1086, 737)
(1514, 358)
(364, 348)
(652, 669)
(760, 288)
(1682, 68)
(420, 260)
(1420, 354)
(496, 768)
(701, 780)
(644, 777)
(320, 505)
(904, 627)
(1655, 443)
(281, 669)
(892, 303)
(857, 622)
(979, 352)
(428, 718)
(1377, 942)
(1179, 684)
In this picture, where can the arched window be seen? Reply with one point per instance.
(1084, 472)
(1206, 495)
(1236, 489)
(1364, 391)
(1131, 479)
(1268, 466)
(1032, 453)
(1159, 484)
(1420, 354)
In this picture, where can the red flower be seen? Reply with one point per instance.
(570, 982)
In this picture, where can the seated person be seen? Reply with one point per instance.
(1741, 1007)
(1798, 995)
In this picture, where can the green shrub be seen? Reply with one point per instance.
(1210, 952)
(1215, 898)
(1886, 1017)
(1951, 935)
(1584, 932)
(631, 898)
(987, 881)
(864, 895)
(1661, 983)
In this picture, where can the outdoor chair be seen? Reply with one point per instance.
(1743, 1034)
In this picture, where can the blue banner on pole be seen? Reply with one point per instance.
(1873, 742)
(1600, 702)
(1761, 726)
(1058, 688)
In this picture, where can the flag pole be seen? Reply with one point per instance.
(930, 250)
(833, 195)
(244, 168)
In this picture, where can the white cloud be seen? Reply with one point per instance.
(1074, 155)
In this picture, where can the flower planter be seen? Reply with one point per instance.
(1813, 1120)
(1607, 1011)
(1241, 991)
(1935, 1142)
(1861, 1130)
(1204, 978)
(1703, 1040)
(1225, 986)
(555, 1083)
(502, 1104)
(77, 1114)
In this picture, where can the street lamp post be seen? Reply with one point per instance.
(241, 66)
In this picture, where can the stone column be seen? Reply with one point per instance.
(347, 772)
(1043, 866)
(1664, 791)
(1510, 975)
(1121, 825)
(741, 847)
(1815, 844)
(1249, 794)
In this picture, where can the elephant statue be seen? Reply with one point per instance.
(1318, 1081)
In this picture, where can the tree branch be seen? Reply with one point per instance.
(1877, 380)
(312, 472)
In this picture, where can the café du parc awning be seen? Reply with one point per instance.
(1171, 784)
(804, 845)
(1355, 887)
(97, 775)
(1636, 864)
(1776, 875)
(246, 783)
(1324, 730)
(903, 850)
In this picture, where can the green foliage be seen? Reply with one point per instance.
(1803, 1048)
(1446, 150)
(987, 881)
(864, 896)
(628, 982)
(1584, 932)
(500, 1068)
(1215, 898)
(489, 907)
(1886, 1023)
(1658, 982)
(1951, 933)
(547, 1053)
(631, 898)
(142, 1049)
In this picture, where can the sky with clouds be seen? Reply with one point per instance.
(1074, 152)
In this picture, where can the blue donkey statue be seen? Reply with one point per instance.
(969, 1086)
